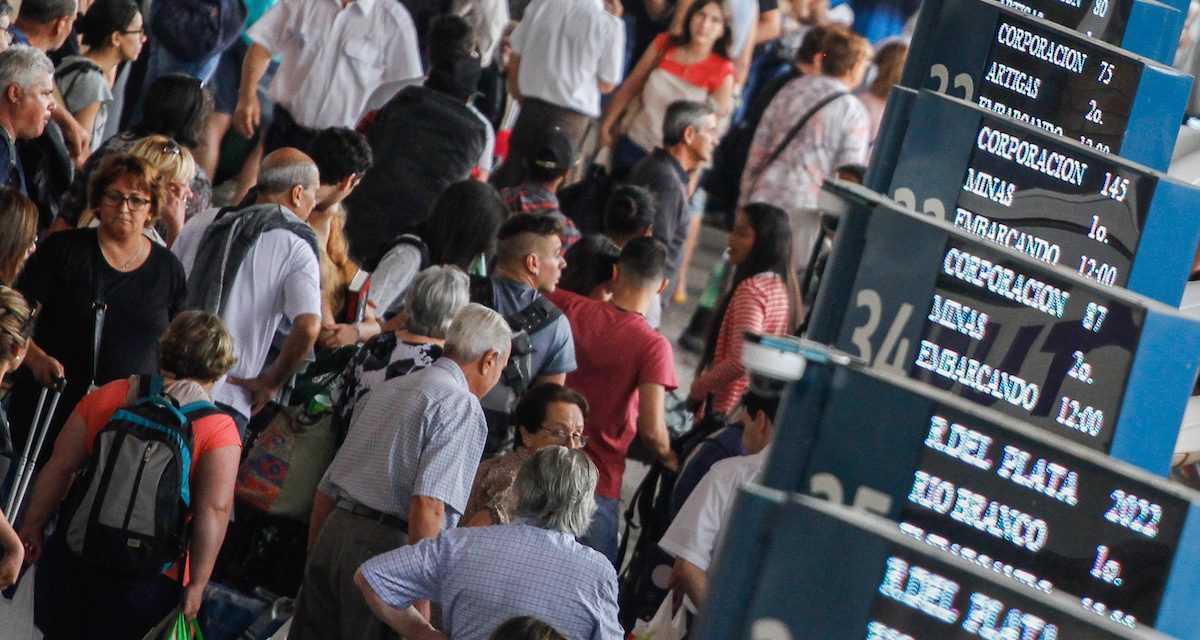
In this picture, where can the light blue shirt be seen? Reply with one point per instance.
(483, 576)
(420, 434)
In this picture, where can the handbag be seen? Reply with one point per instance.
(175, 627)
(665, 625)
(635, 105)
(285, 464)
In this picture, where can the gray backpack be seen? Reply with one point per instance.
(127, 512)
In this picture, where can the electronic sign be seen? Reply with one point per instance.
(796, 567)
(1100, 366)
(1059, 202)
(1029, 506)
(1049, 77)
(1145, 27)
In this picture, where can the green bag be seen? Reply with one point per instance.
(175, 627)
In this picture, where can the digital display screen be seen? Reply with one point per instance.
(1049, 520)
(1103, 20)
(1066, 86)
(1044, 199)
(919, 598)
(1027, 345)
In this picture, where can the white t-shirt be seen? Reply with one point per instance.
(566, 48)
(279, 278)
(696, 531)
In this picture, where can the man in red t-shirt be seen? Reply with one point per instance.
(625, 369)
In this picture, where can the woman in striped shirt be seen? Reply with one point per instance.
(764, 298)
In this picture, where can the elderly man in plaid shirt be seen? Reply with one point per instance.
(530, 567)
(403, 474)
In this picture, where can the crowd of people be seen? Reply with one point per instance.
(203, 213)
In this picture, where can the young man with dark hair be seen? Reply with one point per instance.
(625, 370)
(529, 263)
(342, 156)
(546, 167)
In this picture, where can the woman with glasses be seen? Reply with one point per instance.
(548, 414)
(107, 293)
(112, 31)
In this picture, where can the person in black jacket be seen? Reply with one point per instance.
(424, 139)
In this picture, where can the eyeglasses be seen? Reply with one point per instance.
(171, 148)
(567, 436)
(115, 199)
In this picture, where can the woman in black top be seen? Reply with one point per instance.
(139, 283)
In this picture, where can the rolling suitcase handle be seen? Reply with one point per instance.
(33, 448)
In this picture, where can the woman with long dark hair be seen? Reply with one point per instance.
(764, 298)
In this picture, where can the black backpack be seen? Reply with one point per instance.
(127, 512)
(643, 580)
(517, 377)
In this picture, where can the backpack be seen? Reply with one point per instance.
(643, 582)
(518, 376)
(127, 513)
(193, 30)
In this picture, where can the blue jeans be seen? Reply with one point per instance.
(604, 534)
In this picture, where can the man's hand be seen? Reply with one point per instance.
(193, 595)
(33, 539)
(247, 115)
(261, 391)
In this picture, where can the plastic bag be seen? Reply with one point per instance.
(665, 625)
(175, 627)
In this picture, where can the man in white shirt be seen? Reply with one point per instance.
(338, 60)
(698, 528)
(255, 267)
(566, 53)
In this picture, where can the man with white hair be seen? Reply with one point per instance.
(27, 80)
(483, 576)
(256, 267)
(403, 474)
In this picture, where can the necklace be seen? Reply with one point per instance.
(136, 254)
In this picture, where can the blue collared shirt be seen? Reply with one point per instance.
(417, 435)
(483, 576)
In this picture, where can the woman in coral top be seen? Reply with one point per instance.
(74, 598)
(764, 298)
(694, 66)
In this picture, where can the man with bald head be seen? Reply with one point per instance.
(256, 266)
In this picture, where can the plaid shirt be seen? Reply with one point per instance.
(420, 434)
(485, 575)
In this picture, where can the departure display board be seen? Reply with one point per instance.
(1001, 330)
(1026, 343)
(1046, 200)
(1064, 85)
(1062, 203)
(1050, 77)
(882, 585)
(1146, 27)
(1104, 20)
(1042, 517)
